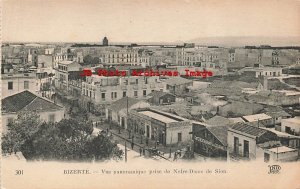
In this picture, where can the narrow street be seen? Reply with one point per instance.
(137, 144)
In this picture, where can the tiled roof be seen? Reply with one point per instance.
(251, 130)
(122, 103)
(219, 121)
(256, 117)
(27, 101)
(278, 114)
(220, 133)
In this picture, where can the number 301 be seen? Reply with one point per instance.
(19, 172)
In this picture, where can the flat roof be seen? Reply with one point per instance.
(237, 120)
(281, 149)
(292, 120)
(281, 134)
(65, 62)
(158, 116)
(256, 117)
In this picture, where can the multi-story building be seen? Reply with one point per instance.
(103, 90)
(63, 55)
(44, 61)
(15, 82)
(120, 56)
(63, 71)
(98, 92)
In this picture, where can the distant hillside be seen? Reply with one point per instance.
(242, 41)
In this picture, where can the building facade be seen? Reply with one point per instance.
(166, 128)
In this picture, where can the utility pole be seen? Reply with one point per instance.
(277, 153)
(125, 153)
(170, 146)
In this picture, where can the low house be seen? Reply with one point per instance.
(278, 116)
(246, 142)
(281, 153)
(178, 85)
(118, 111)
(259, 120)
(210, 141)
(262, 71)
(166, 128)
(27, 101)
(291, 126)
(276, 98)
(161, 98)
(286, 139)
(239, 108)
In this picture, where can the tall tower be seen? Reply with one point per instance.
(105, 41)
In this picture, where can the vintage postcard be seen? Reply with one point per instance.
(150, 94)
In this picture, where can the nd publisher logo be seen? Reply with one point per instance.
(274, 169)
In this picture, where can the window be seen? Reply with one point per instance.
(115, 94)
(144, 92)
(124, 93)
(136, 81)
(135, 93)
(246, 148)
(10, 85)
(51, 117)
(26, 84)
(236, 145)
(103, 96)
(112, 95)
(161, 90)
(90, 93)
(179, 137)
(266, 157)
(10, 120)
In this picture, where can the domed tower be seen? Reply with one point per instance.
(105, 41)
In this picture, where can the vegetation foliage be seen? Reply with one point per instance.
(69, 139)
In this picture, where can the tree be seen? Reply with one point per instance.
(95, 61)
(79, 113)
(88, 59)
(102, 148)
(20, 130)
(71, 128)
(69, 140)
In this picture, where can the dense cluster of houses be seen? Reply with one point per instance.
(234, 116)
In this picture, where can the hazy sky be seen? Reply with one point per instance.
(145, 20)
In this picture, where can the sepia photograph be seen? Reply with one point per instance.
(150, 94)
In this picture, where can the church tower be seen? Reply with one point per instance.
(105, 41)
